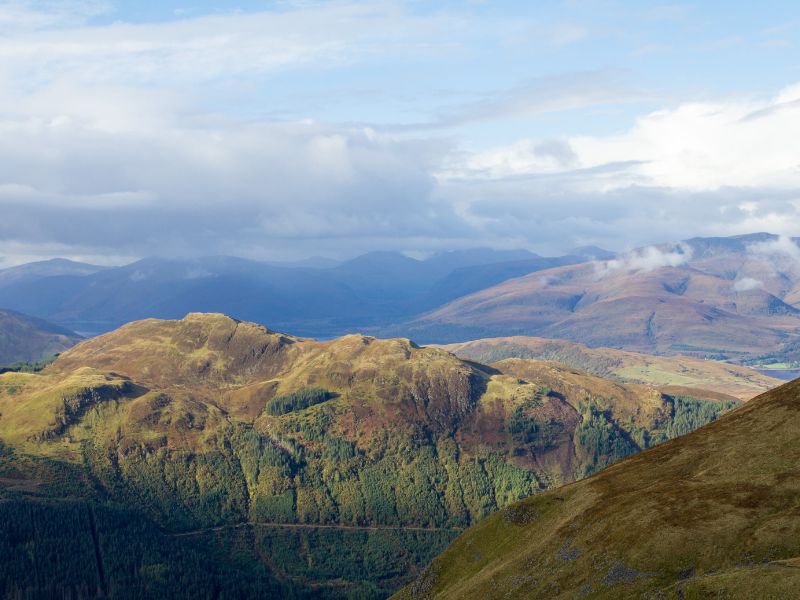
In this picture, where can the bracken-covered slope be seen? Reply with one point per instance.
(339, 466)
(667, 373)
(713, 514)
(26, 339)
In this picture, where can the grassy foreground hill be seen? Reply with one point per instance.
(215, 451)
(713, 514)
(668, 373)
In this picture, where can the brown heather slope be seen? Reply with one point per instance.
(168, 417)
(715, 513)
(212, 367)
(667, 373)
(726, 298)
(27, 339)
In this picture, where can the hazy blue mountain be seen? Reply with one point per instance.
(368, 291)
(28, 339)
(313, 262)
(457, 259)
(467, 280)
(46, 268)
(593, 253)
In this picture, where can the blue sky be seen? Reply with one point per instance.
(289, 129)
(466, 52)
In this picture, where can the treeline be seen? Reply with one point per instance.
(689, 414)
(299, 400)
(301, 470)
(601, 440)
(397, 480)
(28, 367)
(340, 563)
(398, 477)
(75, 549)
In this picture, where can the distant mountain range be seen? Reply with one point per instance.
(322, 301)
(733, 298)
(210, 454)
(712, 514)
(55, 267)
(27, 339)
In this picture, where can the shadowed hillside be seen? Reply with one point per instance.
(712, 514)
(26, 339)
(288, 450)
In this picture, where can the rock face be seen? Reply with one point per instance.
(710, 514)
(169, 418)
(26, 339)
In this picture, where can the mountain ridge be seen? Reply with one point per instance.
(366, 291)
(711, 297)
(208, 422)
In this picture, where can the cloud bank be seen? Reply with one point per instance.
(118, 141)
(695, 169)
(781, 247)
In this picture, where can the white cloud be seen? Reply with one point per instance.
(693, 146)
(220, 187)
(781, 247)
(721, 167)
(645, 260)
(197, 273)
(108, 128)
(746, 284)
(552, 93)
(192, 50)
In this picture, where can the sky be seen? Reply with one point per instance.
(279, 130)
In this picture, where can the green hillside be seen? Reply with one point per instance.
(318, 469)
(714, 514)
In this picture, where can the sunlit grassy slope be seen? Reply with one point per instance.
(206, 423)
(701, 376)
(713, 514)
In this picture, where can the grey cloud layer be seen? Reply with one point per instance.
(278, 189)
(106, 149)
(213, 190)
